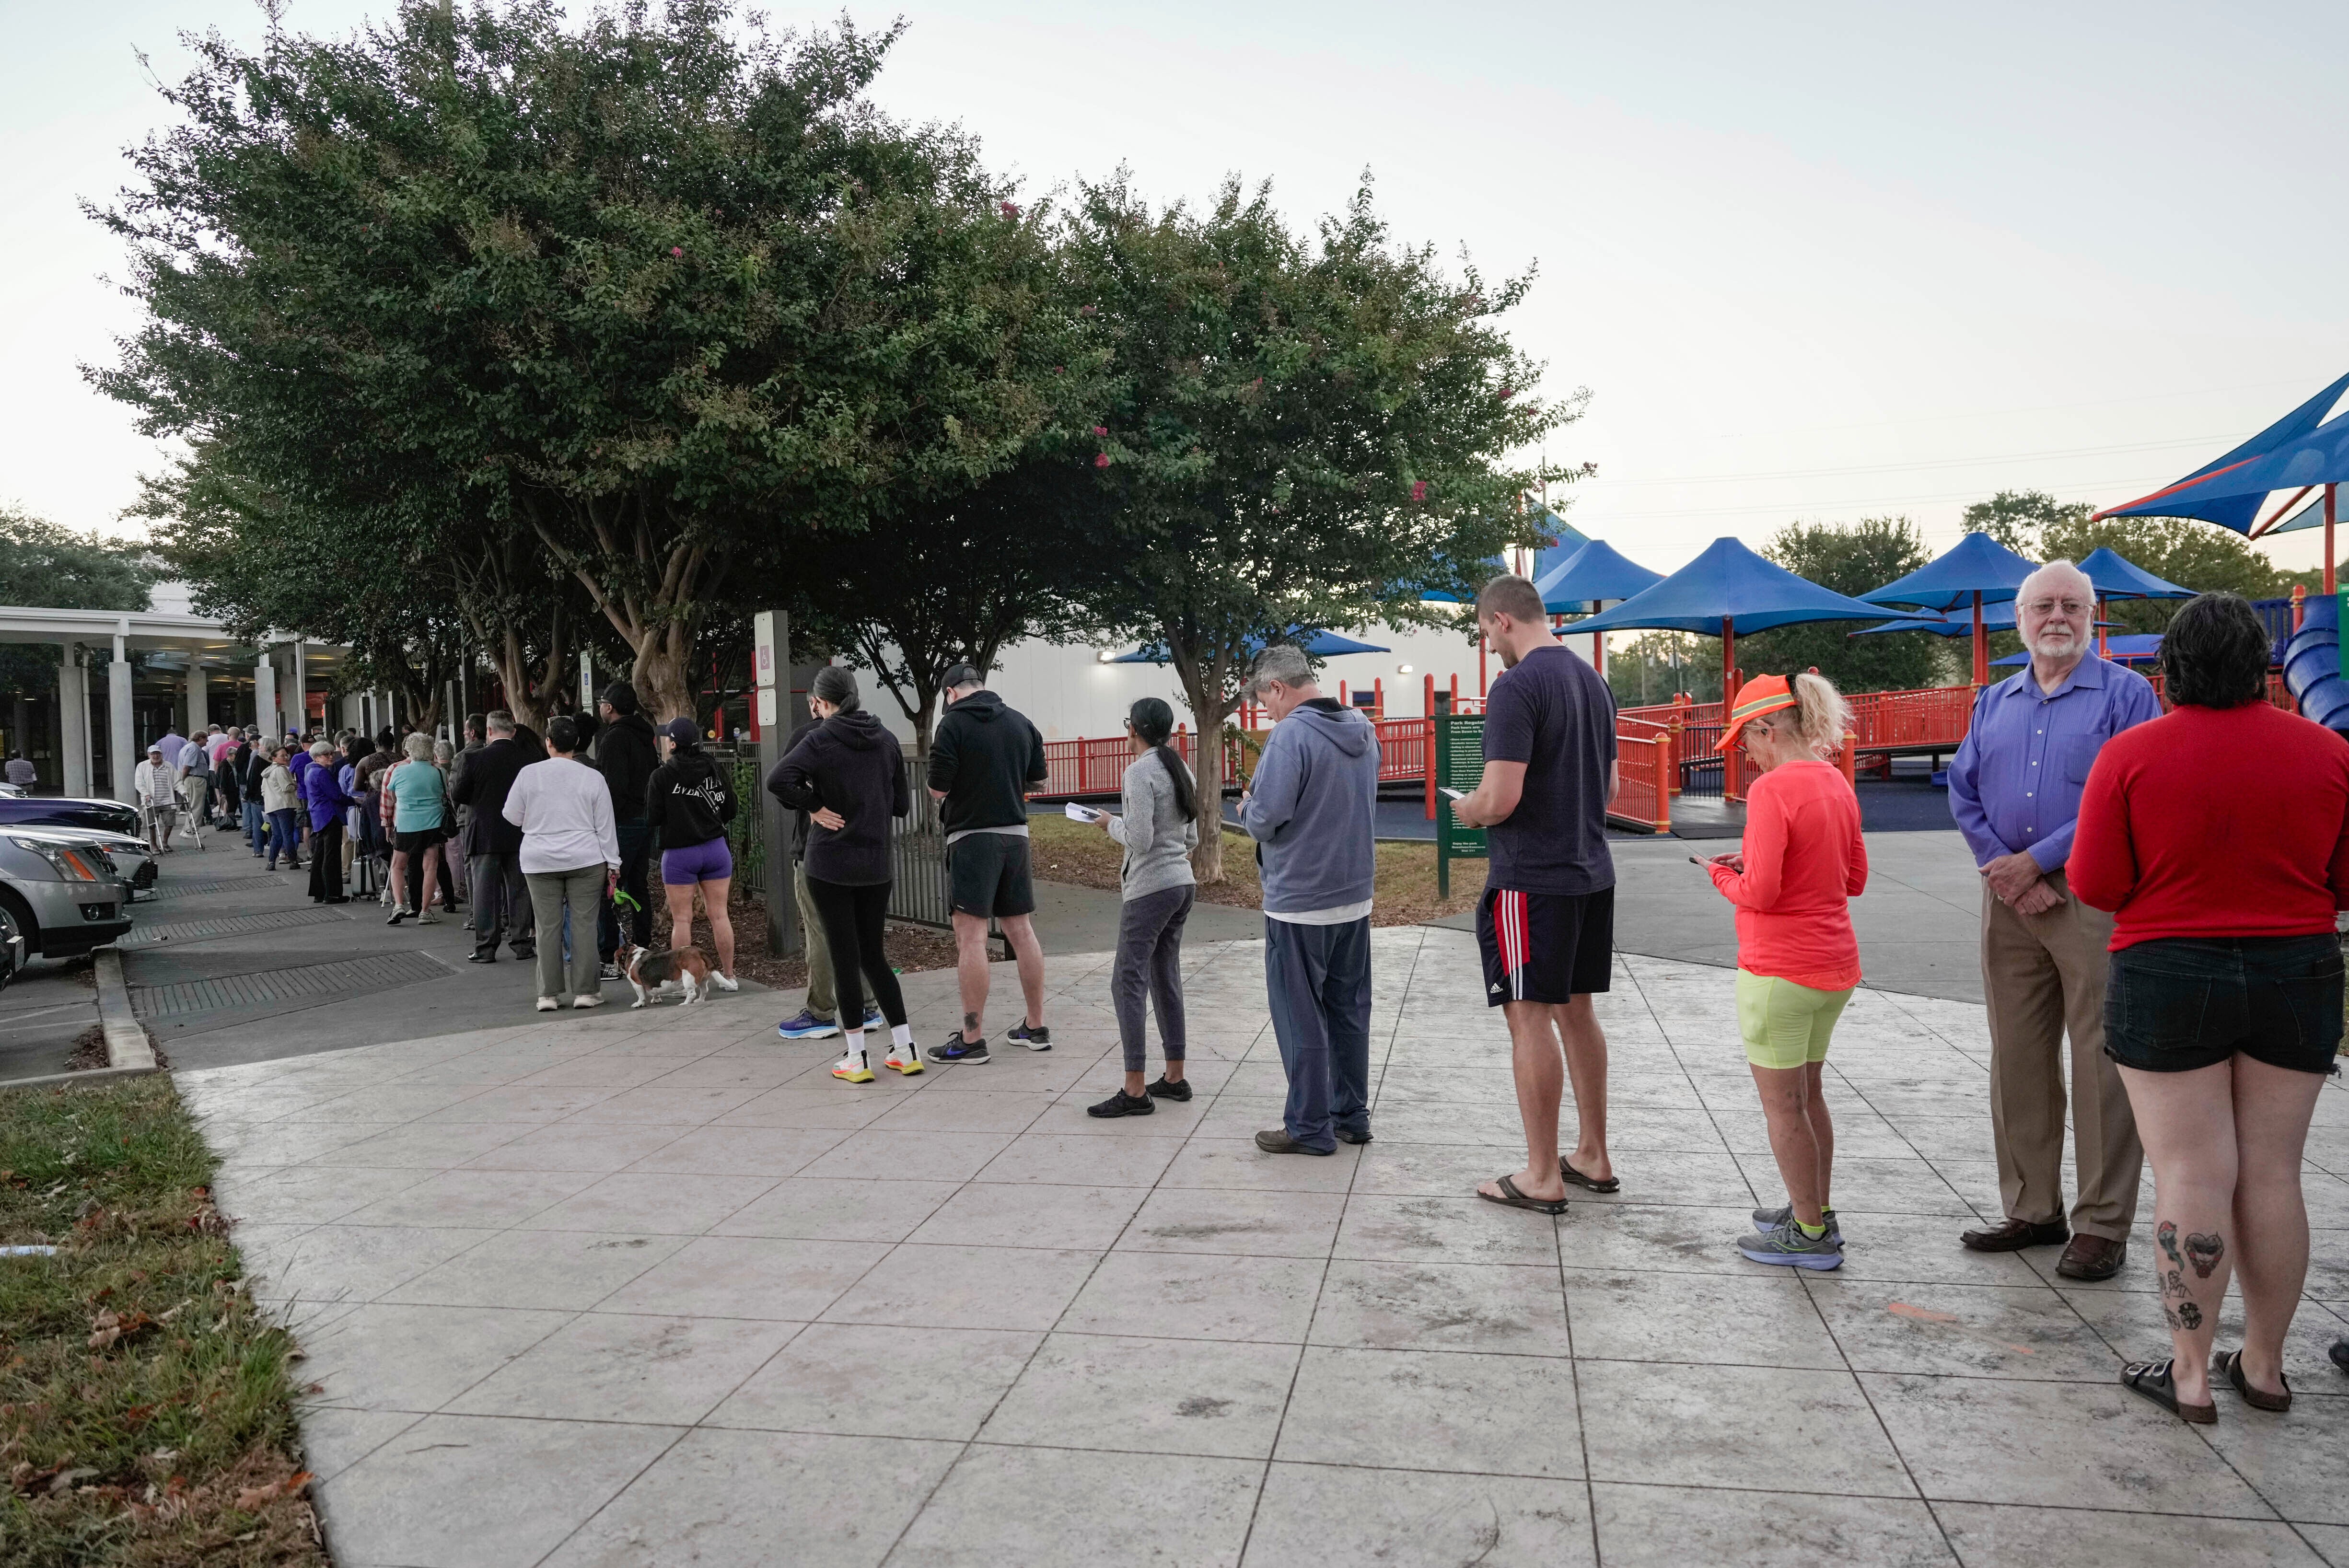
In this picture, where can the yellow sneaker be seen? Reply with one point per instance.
(852, 1070)
(908, 1062)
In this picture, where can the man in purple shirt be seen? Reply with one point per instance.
(2014, 789)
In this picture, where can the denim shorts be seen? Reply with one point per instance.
(2182, 1003)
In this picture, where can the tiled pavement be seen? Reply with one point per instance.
(650, 1287)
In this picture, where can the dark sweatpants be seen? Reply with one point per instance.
(1149, 968)
(1318, 979)
(501, 906)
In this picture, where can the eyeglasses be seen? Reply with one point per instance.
(2047, 606)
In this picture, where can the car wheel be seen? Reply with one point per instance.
(20, 914)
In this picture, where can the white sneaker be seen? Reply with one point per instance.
(591, 1000)
(427, 918)
(724, 982)
(546, 1004)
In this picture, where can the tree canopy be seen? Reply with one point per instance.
(1851, 559)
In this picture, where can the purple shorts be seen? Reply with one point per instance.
(697, 863)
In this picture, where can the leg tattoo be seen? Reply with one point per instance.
(2167, 1234)
(2204, 1252)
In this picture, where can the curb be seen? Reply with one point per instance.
(126, 1045)
(63, 1080)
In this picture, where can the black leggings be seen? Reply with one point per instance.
(854, 922)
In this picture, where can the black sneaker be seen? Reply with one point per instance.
(1354, 1134)
(1124, 1104)
(957, 1049)
(1035, 1037)
(1161, 1089)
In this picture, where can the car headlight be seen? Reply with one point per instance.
(71, 865)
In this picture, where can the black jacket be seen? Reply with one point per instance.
(484, 783)
(626, 756)
(851, 764)
(985, 758)
(687, 800)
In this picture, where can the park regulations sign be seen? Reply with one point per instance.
(1459, 765)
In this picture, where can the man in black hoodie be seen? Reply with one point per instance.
(986, 759)
(625, 754)
(494, 846)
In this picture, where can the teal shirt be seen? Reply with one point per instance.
(416, 795)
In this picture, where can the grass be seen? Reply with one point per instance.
(1404, 884)
(146, 1404)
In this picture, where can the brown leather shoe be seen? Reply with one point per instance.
(2092, 1257)
(2013, 1235)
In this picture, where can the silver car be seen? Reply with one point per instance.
(63, 890)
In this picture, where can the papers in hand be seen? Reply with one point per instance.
(1449, 793)
(1081, 813)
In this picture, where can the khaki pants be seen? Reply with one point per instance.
(2044, 975)
(820, 999)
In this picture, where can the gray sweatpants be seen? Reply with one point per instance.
(549, 892)
(1149, 964)
(1318, 979)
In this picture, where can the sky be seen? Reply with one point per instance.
(1814, 263)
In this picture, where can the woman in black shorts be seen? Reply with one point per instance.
(848, 774)
(2218, 836)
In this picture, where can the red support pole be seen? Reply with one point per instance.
(1427, 696)
(1342, 694)
(2329, 587)
(1732, 762)
(1480, 652)
(2102, 646)
(1981, 648)
(1379, 696)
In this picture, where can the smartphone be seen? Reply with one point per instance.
(1698, 861)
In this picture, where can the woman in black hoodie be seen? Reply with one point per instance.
(849, 775)
(689, 803)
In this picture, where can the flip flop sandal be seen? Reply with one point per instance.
(2151, 1380)
(1511, 1197)
(2229, 1363)
(1612, 1183)
(2340, 1354)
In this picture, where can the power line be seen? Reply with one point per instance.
(1901, 468)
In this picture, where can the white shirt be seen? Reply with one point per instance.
(563, 809)
(152, 782)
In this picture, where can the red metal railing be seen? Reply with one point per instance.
(1097, 766)
(1647, 776)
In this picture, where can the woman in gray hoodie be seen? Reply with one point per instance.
(1159, 828)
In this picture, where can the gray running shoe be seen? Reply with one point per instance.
(1771, 1219)
(1785, 1244)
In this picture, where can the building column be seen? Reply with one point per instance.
(301, 725)
(265, 700)
(120, 760)
(200, 701)
(73, 725)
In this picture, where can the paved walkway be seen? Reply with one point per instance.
(651, 1288)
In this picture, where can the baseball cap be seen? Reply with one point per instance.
(682, 731)
(962, 674)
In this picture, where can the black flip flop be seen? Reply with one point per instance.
(2151, 1380)
(2229, 1363)
(1511, 1197)
(2340, 1354)
(1612, 1183)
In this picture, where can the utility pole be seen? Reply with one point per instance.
(770, 665)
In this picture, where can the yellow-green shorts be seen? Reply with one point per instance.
(1784, 1024)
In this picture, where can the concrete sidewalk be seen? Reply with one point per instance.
(652, 1289)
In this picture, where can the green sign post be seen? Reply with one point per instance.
(1459, 765)
(2342, 620)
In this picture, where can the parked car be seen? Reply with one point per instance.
(69, 811)
(64, 891)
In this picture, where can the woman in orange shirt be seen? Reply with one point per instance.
(1798, 961)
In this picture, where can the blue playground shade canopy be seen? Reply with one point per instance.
(1975, 564)
(1593, 573)
(1995, 618)
(2298, 450)
(1317, 644)
(2311, 514)
(1730, 583)
(2136, 648)
(2116, 577)
(1564, 540)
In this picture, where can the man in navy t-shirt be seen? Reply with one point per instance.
(1546, 922)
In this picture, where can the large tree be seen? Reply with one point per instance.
(43, 563)
(1851, 559)
(1297, 432)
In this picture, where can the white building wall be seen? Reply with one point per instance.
(1069, 693)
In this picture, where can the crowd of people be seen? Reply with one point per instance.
(540, 840)
(2133, 905)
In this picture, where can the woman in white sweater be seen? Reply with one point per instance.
(570, 853)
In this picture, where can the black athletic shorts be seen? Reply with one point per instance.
(1545, 946)
(986, 873)
(418, 840)
(2176, 1004)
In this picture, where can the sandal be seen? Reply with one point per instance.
(1612, 1183)
(2152, 1381)
(1511, 1197)
(2229, 1363)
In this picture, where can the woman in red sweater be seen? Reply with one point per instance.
(2218, 837)
(1798, 961)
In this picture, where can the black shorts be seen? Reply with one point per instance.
(986, 873)
(1545, 946)
(417, 842)
(2180, 1002)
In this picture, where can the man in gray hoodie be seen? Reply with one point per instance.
(1309, 809)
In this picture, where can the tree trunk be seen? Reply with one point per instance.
(1207, 716)
(660, 677)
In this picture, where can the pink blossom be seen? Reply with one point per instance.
(1507, 393)
(1419, 490)
(1010, 209)
(1100, 430)
(1100, 461)
(677, 250)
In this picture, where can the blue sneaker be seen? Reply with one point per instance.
(1785, 1244)
(1771, 1219)
(806, 1027)
(1035, 1037)
(873, 1020)
(957, 1049)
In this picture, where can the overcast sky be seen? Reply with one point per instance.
(1814, 262)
